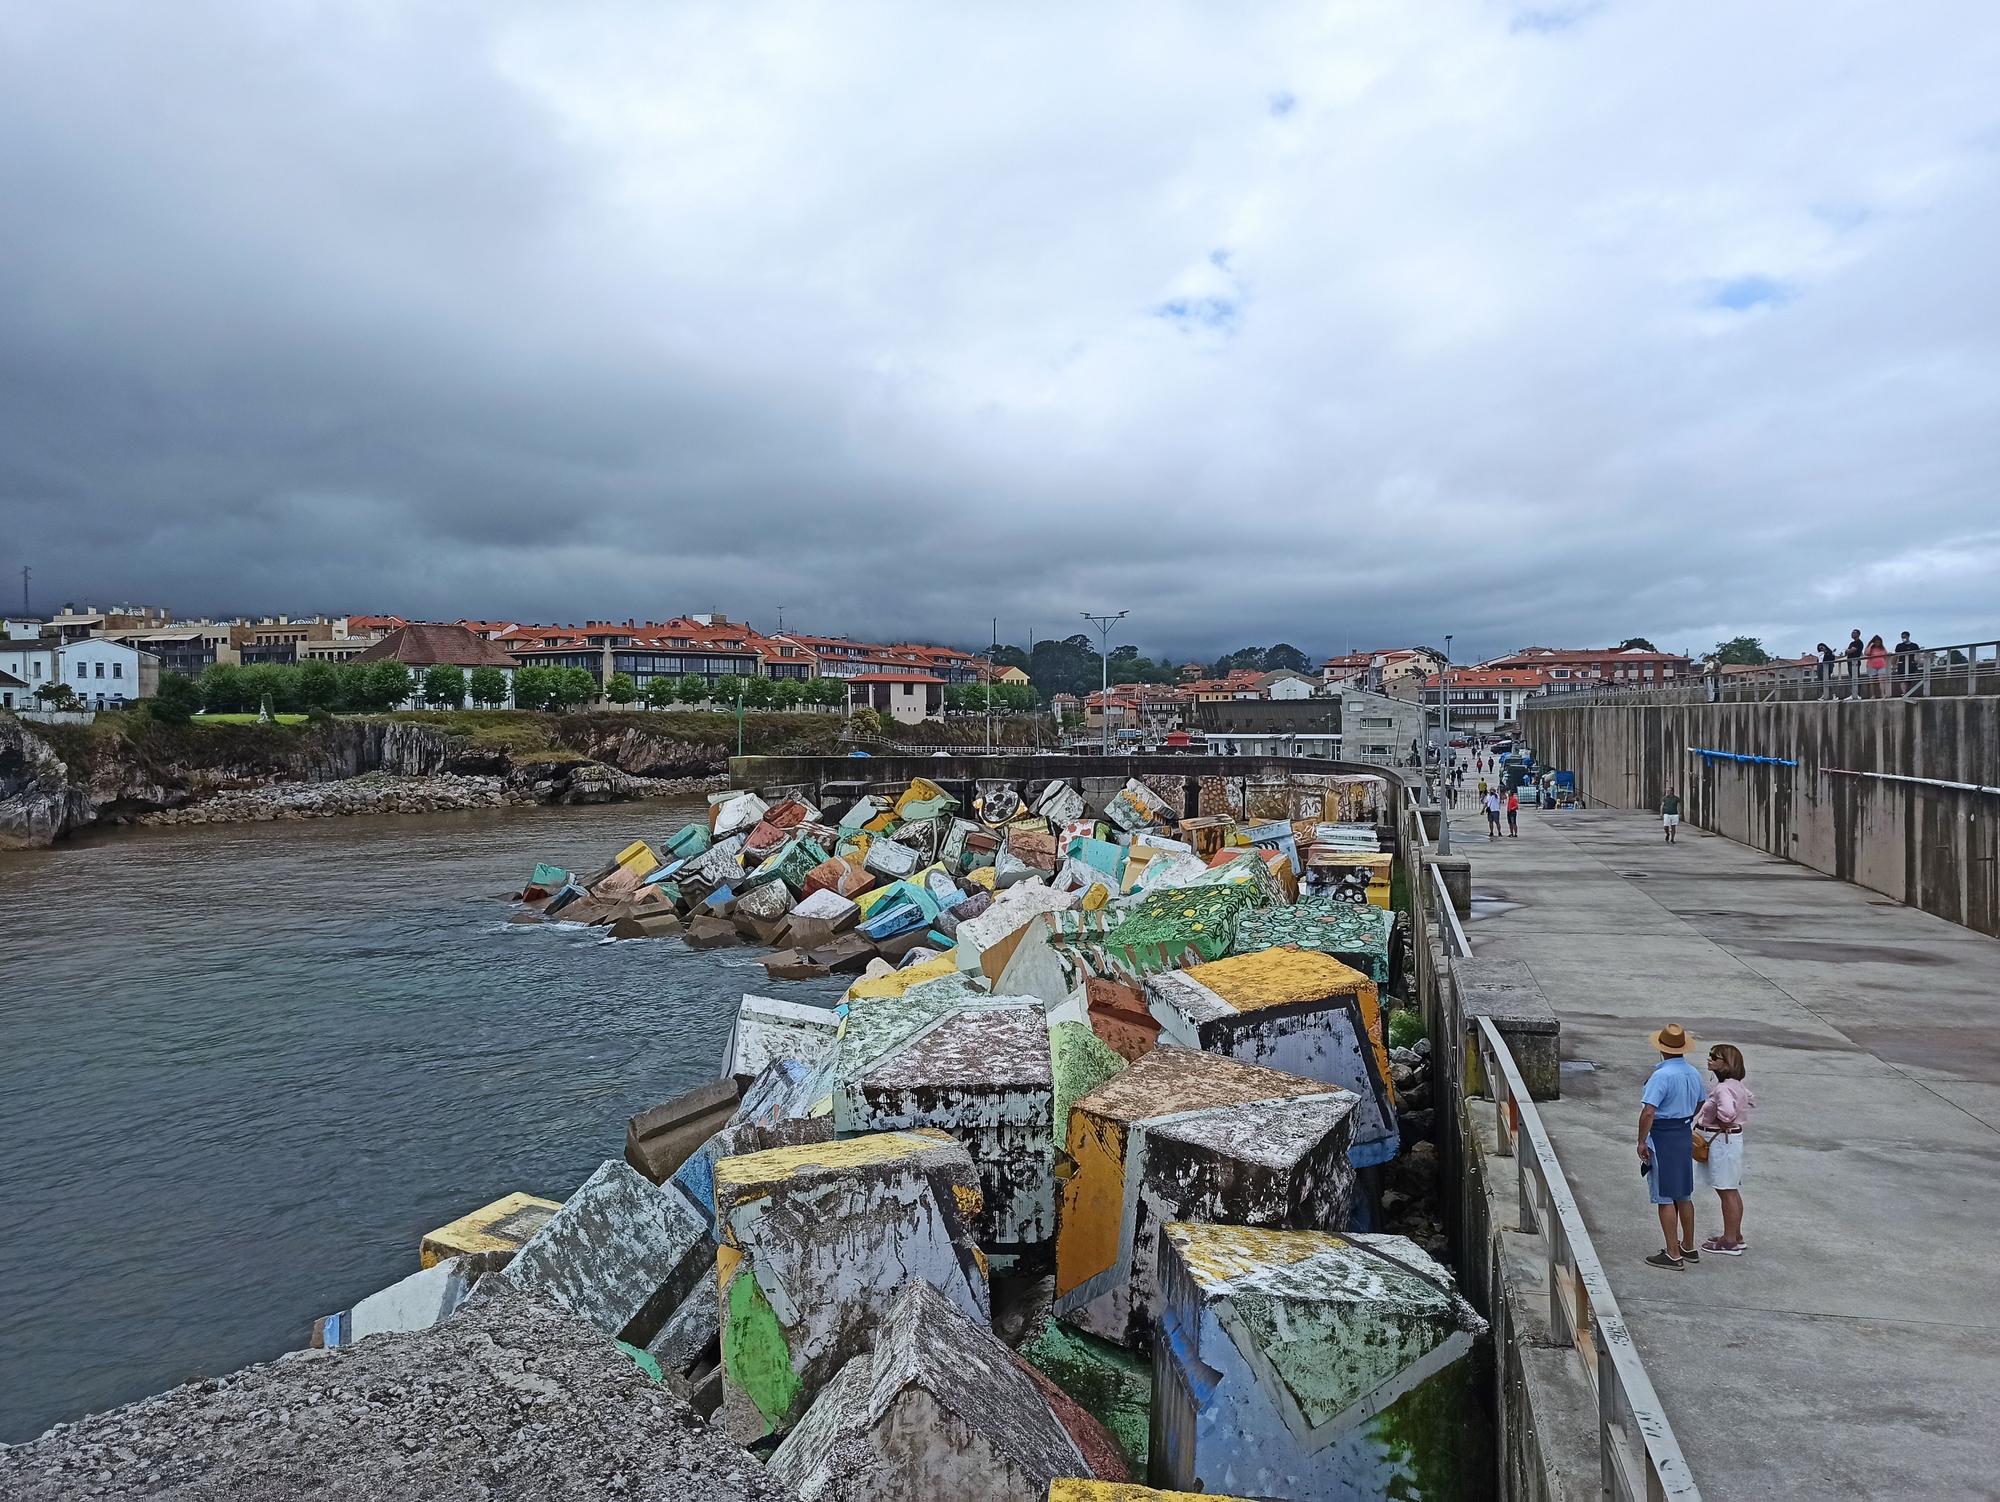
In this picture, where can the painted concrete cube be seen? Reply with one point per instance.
(981, 1070)
(1289, 1009)
(1311, 1366)
(940, 1408)
(1359, 935)
(502, 1226)
(816, 1241)
(767, 1029)
(1350, 875)
(1186, 1135)
(621, 1253)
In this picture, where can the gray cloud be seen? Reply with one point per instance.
(1549, 325)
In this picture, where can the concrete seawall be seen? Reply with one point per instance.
(1932, 847)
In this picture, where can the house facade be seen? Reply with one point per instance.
(103, 674)
(422, 646)
(907, 698)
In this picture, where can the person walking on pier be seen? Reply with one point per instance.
(1513, 814)
(1670, 812)
(1492, 816)
(1720, 1123)
(1674, 1093)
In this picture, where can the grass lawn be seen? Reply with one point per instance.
(245, 719)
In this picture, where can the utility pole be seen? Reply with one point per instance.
(991, 653)
(1444, 748)
(25, 572)
(1104, 623)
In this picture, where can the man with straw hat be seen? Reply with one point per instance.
(1674, 1092)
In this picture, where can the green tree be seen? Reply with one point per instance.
(318, 686)
(660, 692)
(576, 688)
(758, 692)
(444, 686)
(788, 693)
(827, 693)
(222, 689)
(620, 689)
(1284, 657)
(56, 696)
(726, 689)
(1742, 649)
(488, 686)
(535, 688)
(268, 681)
(1636, 644)
(177, 698)
(1015, 697)
(865, 721)
(389, 686)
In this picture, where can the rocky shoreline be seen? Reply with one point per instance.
(385, 793)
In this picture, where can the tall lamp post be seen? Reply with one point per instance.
(1444, 749)
(1104, 623)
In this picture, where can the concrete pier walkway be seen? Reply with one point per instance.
(1854, 1351)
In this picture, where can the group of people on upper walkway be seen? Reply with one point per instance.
(1862, 668)
(1691, 1137)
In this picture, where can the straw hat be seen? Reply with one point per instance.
(1673, 1038)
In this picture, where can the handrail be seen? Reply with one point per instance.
(1961, 670)
(1639, 1459)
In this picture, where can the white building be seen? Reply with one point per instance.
(1285, 684)
(102, 674)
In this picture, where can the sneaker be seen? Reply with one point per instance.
(1661, 1259)
(1722, 1248)
(1690, 1255)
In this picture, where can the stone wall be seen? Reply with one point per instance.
(1934, 848)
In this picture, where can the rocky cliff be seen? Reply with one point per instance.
(56, 780)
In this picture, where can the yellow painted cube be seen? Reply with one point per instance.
(499, 1227)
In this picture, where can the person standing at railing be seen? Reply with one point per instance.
(1906, 656)
(1674, 1093)
(1878, 666)
(1853, 655)
(1720, 1123)
(1826, 661)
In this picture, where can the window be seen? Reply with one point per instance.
(1376, 722)
(100, 670)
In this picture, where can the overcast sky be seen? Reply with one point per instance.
(1347, 324)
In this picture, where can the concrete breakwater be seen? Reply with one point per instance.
(953, 1236)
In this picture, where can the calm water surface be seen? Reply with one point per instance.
(244, 1069)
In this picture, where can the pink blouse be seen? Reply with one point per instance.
(1729, 1104)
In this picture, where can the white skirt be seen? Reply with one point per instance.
(1724, 1168)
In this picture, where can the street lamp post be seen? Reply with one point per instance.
(1444, 749)
(1104, 623)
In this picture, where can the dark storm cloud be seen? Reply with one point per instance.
(905, 319)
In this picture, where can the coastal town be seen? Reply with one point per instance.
(1366, 705)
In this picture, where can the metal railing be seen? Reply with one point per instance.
(1969, 668)
(1638, 1455)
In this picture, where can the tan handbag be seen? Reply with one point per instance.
(1700, 1147)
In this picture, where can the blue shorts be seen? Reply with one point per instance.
(1671, 1178)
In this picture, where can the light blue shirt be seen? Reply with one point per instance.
(1675, 1089)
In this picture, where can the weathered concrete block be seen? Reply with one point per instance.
(1359, 935)
(1084, 1490)
(940, 1408)
(658, 925)
(980, 1070)
(409, 1304)
(1112, 1384)
(1119, 1015)
(1457, 873)
(766, 903)
(1185, 1135)
(739, 814)
(889, 860)
(502, 1226)
(1507, 992)
(1312, 1366)
(767, 1029)
(1351, 875)
(507, 1397)
(1295, 1010)
(621, 1253)
(657, 1141)
(816, 1242)
(710, 933)
(689, 1332)
(1060, 804)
